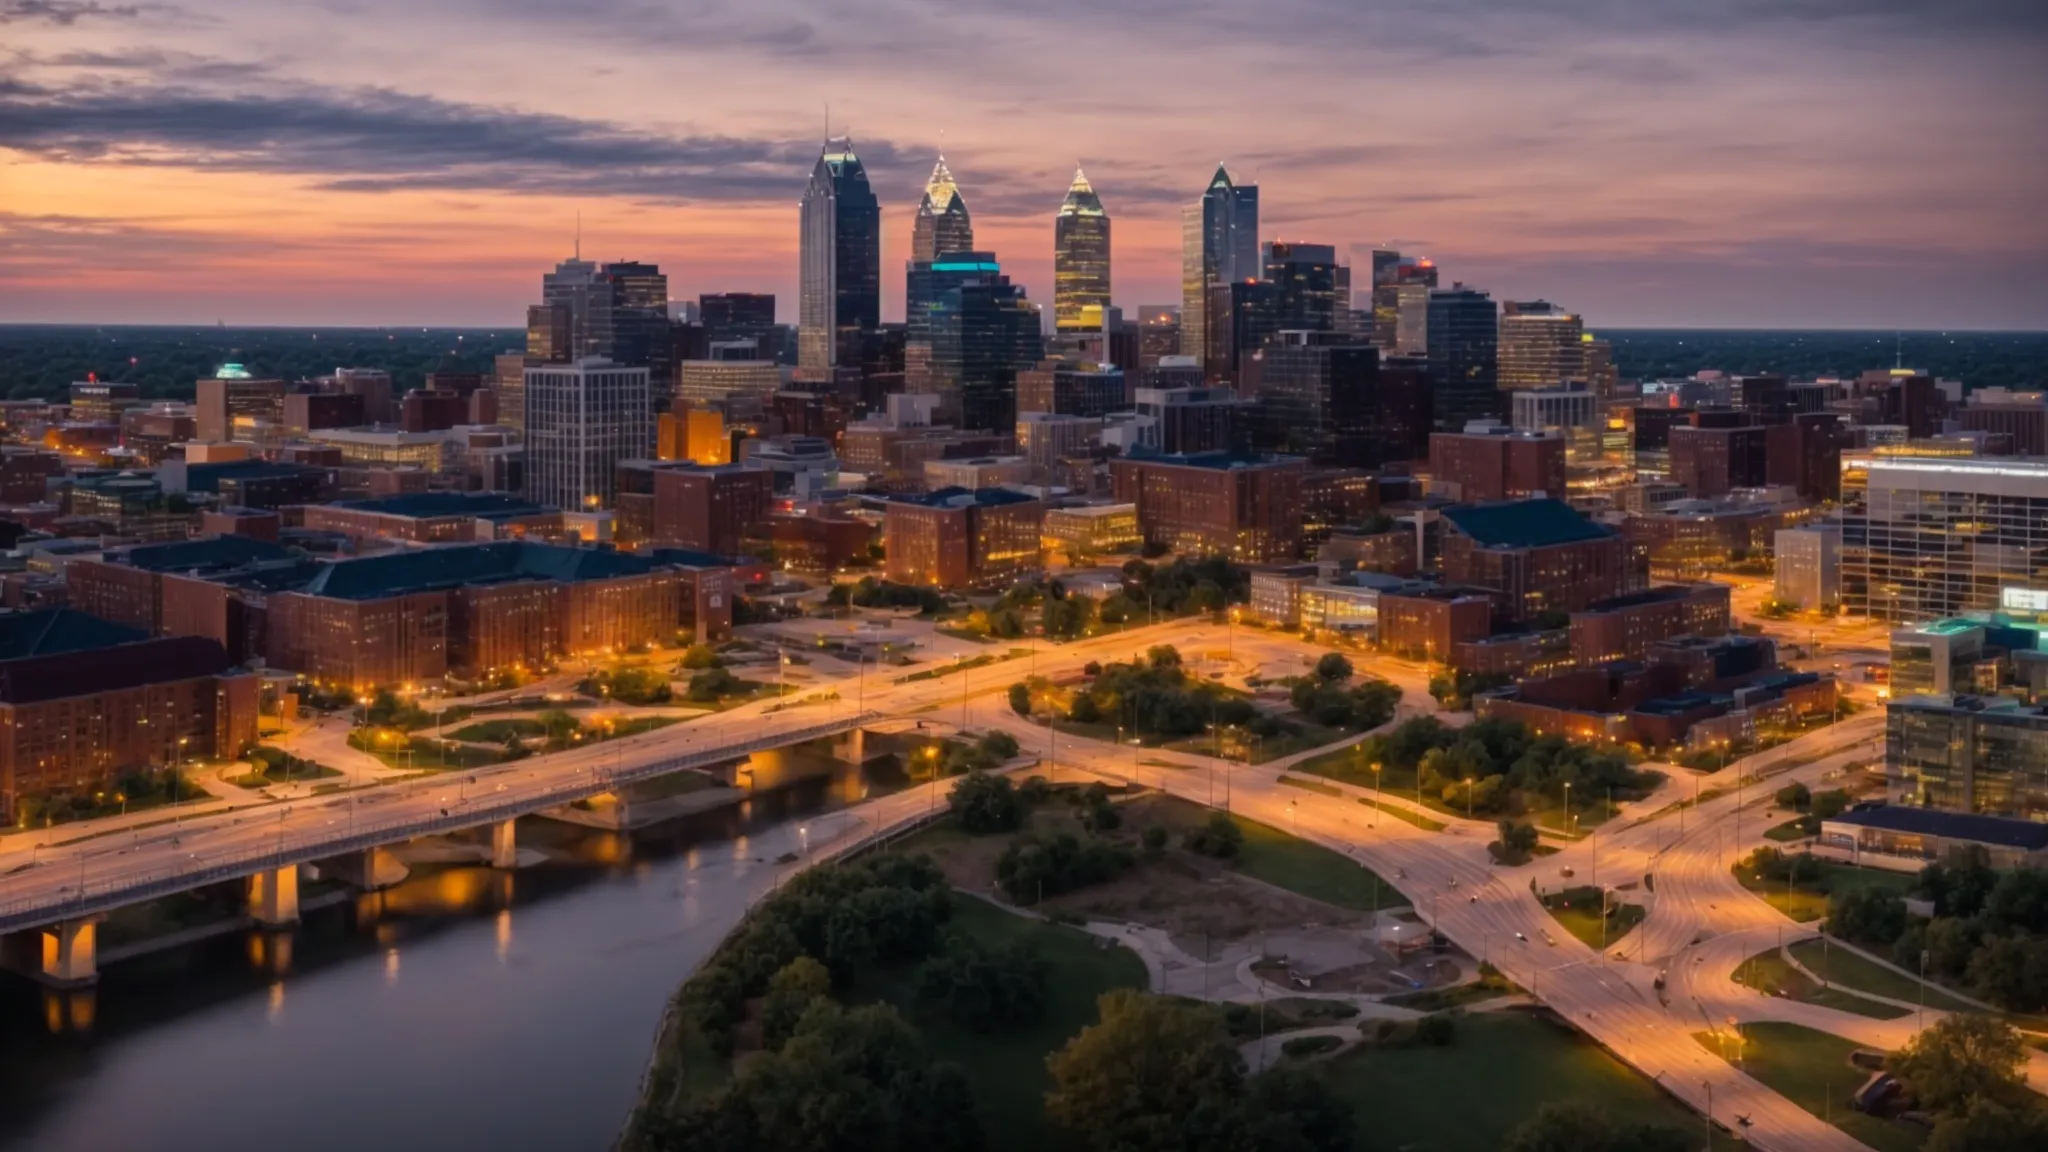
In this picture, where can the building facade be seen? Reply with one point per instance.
(839, 293)
(956, 538)
(582, 420)
(1968, 754)
(1464, 356)
(1246, 508)
(1219, 245)
(1080, 260)
(1924, 538)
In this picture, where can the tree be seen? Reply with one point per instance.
(713, 683)
(1963, 1059)
(1154, 840)
(1333, 667)
(983, 988)
(1162, 657)
(791, 992)
(1518, 839)
(998, 746)
(1292, 1110)
(1020, 699)
(1867, 915)
(1794, 795)
(1959, 885)
(1220, 837)
(1576, 1127)
(1828, 805)
(985, 803)
(1151, 1073)
(839, 595)
(1031, 868)
(702, 656)
(1989, 1126)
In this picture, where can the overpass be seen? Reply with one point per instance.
(55, 908)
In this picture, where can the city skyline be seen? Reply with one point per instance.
(1843, 164)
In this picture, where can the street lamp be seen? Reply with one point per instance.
(1567, 807)
(1379, 796)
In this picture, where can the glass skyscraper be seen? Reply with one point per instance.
(839, 294)
(942, 221)
(1080, 259)
(1219, 244)
(977, 333)
(1305, 276)
(1464, 356)
(1929, 537)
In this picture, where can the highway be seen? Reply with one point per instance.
(1488, 911)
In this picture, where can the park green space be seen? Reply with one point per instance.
(1347, 764)
(1502, 1068)
(1809, 902)
(1274, 857)
(1811, 1069)
(1839, 965)
(1578, 911)
(1771, 974)
(1008, 1069)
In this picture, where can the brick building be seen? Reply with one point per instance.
(83, 701)
(1719, 451)
(413, 617)
(1217, 503)
(955, 538)
(25, 474)
(1535, 557)
(1427, 624)
(1494, 462)
(818, 543)
(1625, 627)
(678, 504)
(434, 518)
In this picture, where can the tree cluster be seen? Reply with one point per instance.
(1989, 932)
(1219, 837)
(986, 804)
(1032, 867)
(713, 684)
(870, 592)
(1155, 1072)
(1455, 691)
(1799, 869)
(1494, 767)
(1517, 842)
(1967, 1071)
(628, 685)
(984, 988)
(881, 910)
(1158, 696)
(1186, 586)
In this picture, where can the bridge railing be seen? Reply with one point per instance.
(88, 898)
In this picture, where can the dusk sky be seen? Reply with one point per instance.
(1713, 163)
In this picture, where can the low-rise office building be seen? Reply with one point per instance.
(1217, 503)
(1963, 753)
(956, 538)
(1906, 838)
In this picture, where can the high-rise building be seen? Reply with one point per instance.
(2020, 415)
(1541, 346)
(1244, 318)
(1929, 537)
(1400, 302)
(1080, 258)
(582, 419)
(1464, 351)
(1070, 388)
(942, 222)
(1159, 335)
(1808, 572)
(1323, 397)
(976, 333)
(1969, 754)
(840, 279)
(233, 405)
(1219, 244)
(1721, 450)
(730, 316)
(1192, 420)
(1489, 461)
(617, 311)
(1304, 277)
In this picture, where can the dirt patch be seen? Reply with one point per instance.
(1194, 898)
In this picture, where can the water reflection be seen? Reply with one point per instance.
(541, 1048)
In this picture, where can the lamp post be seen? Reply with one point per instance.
(1379, 795)
(1567, 807)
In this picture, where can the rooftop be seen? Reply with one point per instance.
(1970, 826)
(1537, 523)
(482, 505)
(963, 497)
(434, 569)
(1662, 593)
(204, 555)
(1219, 461)
(85, 671)
(55, 630)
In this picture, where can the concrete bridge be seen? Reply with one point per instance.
(48, 919)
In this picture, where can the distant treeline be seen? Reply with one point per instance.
(1978, 359)
(40, 361)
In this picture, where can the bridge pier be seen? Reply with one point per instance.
(371, 870)
(274, 896)
(71, 953)
(504, 845)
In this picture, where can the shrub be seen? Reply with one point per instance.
(1220, 837)
(986, 804)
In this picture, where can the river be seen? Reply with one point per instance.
(463, 1008)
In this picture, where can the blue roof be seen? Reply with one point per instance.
(1999, 830)
(1537, 523)
(55, 630)
(207, 477)
(208, 554)
(434, 569)
(1220, 461)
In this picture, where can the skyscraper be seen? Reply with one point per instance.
(581, 420)
(1219, 244)
(1541, 346)
(1080, 258)
(1464, 355)
(942, 222)
(1305, 278)
(839, 294)
(618, 311)
(980, 332)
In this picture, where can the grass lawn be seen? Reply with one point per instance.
(1788, 831)
(1427, 1098)
(1838, 965)
(1809, 903)
(1578, 911)
(498, 731)
(1457, 996)
(1007, 1069)
(1771, 974)
(1316, 786)
(1273, 856)
(1407, 814)
(1812, 1070)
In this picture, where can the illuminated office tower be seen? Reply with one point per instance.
(1304, 280)
(1541, 346)
(581, 420)
(942, 221)
(1929, 537)
(1080, 258)
(839, 292)
(1219, 244)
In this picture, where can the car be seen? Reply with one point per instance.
(1454, 881)
(1522, 938)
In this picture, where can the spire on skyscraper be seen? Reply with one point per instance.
(943, 224)
(1081, 198)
